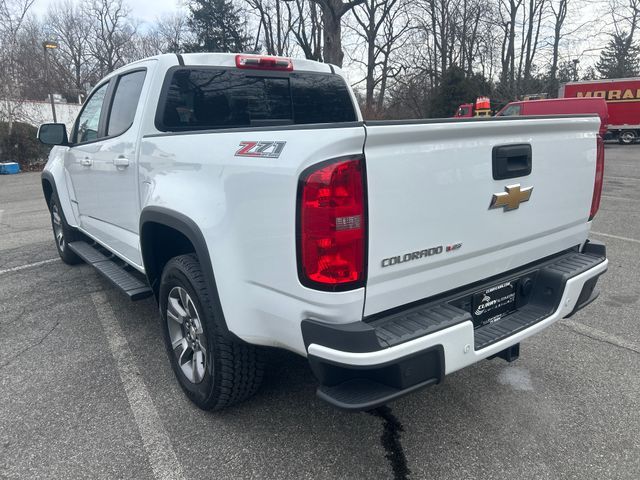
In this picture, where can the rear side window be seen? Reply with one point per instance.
(211, 98)
(125, 102)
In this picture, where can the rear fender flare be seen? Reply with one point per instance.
(187, 227)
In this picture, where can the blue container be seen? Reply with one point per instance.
(8, 168)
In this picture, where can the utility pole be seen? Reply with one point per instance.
(49, 45)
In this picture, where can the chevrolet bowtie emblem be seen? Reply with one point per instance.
(511, 198)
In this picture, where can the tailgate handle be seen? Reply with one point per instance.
(511, 161)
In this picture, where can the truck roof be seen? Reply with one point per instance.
(607, 80)
(227, 60)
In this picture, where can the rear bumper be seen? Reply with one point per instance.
(366, 364)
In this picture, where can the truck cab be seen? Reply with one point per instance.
(464, 111)
(482, 108)
(559, 106)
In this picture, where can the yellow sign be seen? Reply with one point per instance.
(627, 95)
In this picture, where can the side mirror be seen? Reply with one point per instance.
(53, 134)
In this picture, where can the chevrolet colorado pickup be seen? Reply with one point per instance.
(248, 196)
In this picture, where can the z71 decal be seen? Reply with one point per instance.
(260, 149)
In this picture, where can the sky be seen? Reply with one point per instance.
(145, 10)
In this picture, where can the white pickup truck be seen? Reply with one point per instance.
(249, 197)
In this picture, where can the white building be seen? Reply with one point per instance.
(38, 112)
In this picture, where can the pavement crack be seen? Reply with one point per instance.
(31, 347)
(597, 335)
(390, 440)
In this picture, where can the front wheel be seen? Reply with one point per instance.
(628, 137)
(62, 232)
(213, 370)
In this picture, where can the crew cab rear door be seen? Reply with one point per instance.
(452, 203)
(113, 218)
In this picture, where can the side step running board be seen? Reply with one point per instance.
(362, 394)
(130, 282)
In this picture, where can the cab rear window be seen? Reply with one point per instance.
(202, 98)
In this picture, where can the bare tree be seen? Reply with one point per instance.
(395, 36)
(13, 15)
(173, 31)
(531, 24)
(306, 27)
(473, 18)
(168, 34)
(559, 15)
(332, 13)
(625, 17)
(71, 28)
(380, 24)
(112, 33)
(508, 11)
(274, 24)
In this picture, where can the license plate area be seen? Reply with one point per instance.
(493, 303)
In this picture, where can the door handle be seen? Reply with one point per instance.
(86, 162)
(511, 161)
(121, 162)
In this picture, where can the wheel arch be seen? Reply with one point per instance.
(164, 234)
(48, 186)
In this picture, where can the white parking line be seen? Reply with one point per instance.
(29, 265)
(596, 334)
(162, 457)
(617, 237)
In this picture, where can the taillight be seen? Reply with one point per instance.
(597, 186)
(258, 62)
(332, 225)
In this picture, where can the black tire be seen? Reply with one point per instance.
(231, 371)
(62, 232)
(628, 137)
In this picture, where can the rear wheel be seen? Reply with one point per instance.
(627, 137)
(62, 232)
(213, 370)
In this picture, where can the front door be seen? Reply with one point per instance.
(85, 142)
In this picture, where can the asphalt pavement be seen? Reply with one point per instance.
(86, 390)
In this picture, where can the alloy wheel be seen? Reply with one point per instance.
(188, 341)
(57, 227)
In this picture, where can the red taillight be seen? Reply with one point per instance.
(331, 225)
(257, 62)
(597, 186)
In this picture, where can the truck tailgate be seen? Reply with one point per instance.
(431, 228)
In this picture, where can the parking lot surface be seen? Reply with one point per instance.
(86, 390)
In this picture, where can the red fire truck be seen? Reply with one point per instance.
(482, 108)
(623, 100)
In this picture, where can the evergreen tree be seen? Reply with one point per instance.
(217, 26)
(620, 58)
(455, 89)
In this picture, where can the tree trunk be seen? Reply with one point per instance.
(332, 32)
(332, 12)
